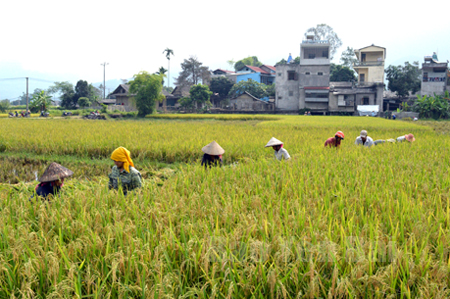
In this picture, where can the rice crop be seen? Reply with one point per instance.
(349, 223)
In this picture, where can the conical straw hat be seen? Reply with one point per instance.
(213, 149)
(55, 172)
(273, 141)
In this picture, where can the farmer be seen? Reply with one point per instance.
(280, 152)
(52, 180)
(123, 173)
(364, 140)
(407, 137)
(212, 155)
(336, 140)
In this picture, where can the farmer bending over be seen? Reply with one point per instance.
(364, 140)
(52, 180)
(336, 140)
(280, 152)
(212, 155)
(124, 174)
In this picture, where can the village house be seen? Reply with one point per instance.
(247, 102)
(123, 98)
(264, 74)
(435, 76)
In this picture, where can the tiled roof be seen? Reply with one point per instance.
(271, 67)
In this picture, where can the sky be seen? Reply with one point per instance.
(69, 40)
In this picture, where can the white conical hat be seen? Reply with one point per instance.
(213, 149)
(273, 141)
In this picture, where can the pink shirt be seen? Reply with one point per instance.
(332, 142)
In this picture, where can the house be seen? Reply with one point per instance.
(435, 76)
(247, 102)
(124, 98)
(264, 74)
(370, 64)
(307, 86)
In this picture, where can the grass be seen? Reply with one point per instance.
(352, 223)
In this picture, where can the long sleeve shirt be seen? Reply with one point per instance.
(369, 141)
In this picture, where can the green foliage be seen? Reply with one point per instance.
(148, 89)
(436, 107)
(341, 73)
(404, 79)
(40, 102)
(348, 58)
(186, 102)
(200, 94)
(221, 85)
(4, 105)
(284, 61)
(325, 32)
(162, 71)
(84, 102)
(254, 88)
(104, 108)
(168, 52)
(270, 89)
(65, 89)
(251, 60)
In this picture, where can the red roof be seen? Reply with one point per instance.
(271, 67)
(256, 69)
(317, 87)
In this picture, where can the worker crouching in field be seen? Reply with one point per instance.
(407, 137)
(336, 140)
(52, 180)
(212, 155)
(280, 152)
(364, 140)
(123, 173)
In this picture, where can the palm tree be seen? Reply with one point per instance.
(162, 71)
(168, 53)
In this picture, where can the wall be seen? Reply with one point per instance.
(245, 77)
(376, 74)
(373, 56)
(245, 102)
(283, 87)
(313, 79)
(429, 87)
(333, 103)
(360, 96)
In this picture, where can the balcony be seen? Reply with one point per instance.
(368, 63)
(308, 41)
(315, 61)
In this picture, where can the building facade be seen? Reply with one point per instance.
(370, 64)
(435, 76)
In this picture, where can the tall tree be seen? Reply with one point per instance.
(251, 60)
(341, 73)
(348, 58)
(404, 79)
(193, 72)
(65, 89)
(147, 89)
(254, 88)
(325, 32)
(162, 71)
(221, 85)
(168, 53)
(200, 94)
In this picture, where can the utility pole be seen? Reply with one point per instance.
(104, 88)
(27, 93)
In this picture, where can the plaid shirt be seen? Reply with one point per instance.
(128, 180)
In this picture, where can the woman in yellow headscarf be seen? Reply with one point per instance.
(124, 174)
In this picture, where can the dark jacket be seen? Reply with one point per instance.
(45, 189)
(208, 160)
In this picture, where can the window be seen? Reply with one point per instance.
(363, 57)
(280, 98)
(425, 76)
(320, 74)
(307, 73)
(279, 74)
(365, 101)
(362, 78)
(325, 54)
(311, 56)
(292, 75)
(291, 93)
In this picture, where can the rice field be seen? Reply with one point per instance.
(348, 223)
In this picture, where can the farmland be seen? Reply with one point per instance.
(348, 223)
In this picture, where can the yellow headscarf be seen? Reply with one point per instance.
(121, 154)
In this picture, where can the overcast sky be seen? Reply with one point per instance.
(68, 40)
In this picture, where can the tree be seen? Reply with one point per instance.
(162, 71)
(251, 60)
(192, 73)
(147, 89)
(23, 97)
(254, 88)
(325, 32)
(200, 94)
(65, 89)
(341, 73)
(84, 102)
(348, 58)
(404, 79)
(221, 86)
(296, 60)
(270, 89)
(4, 106)
(40, 102)
(168, 53)
(186, 103)
(433, 107)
